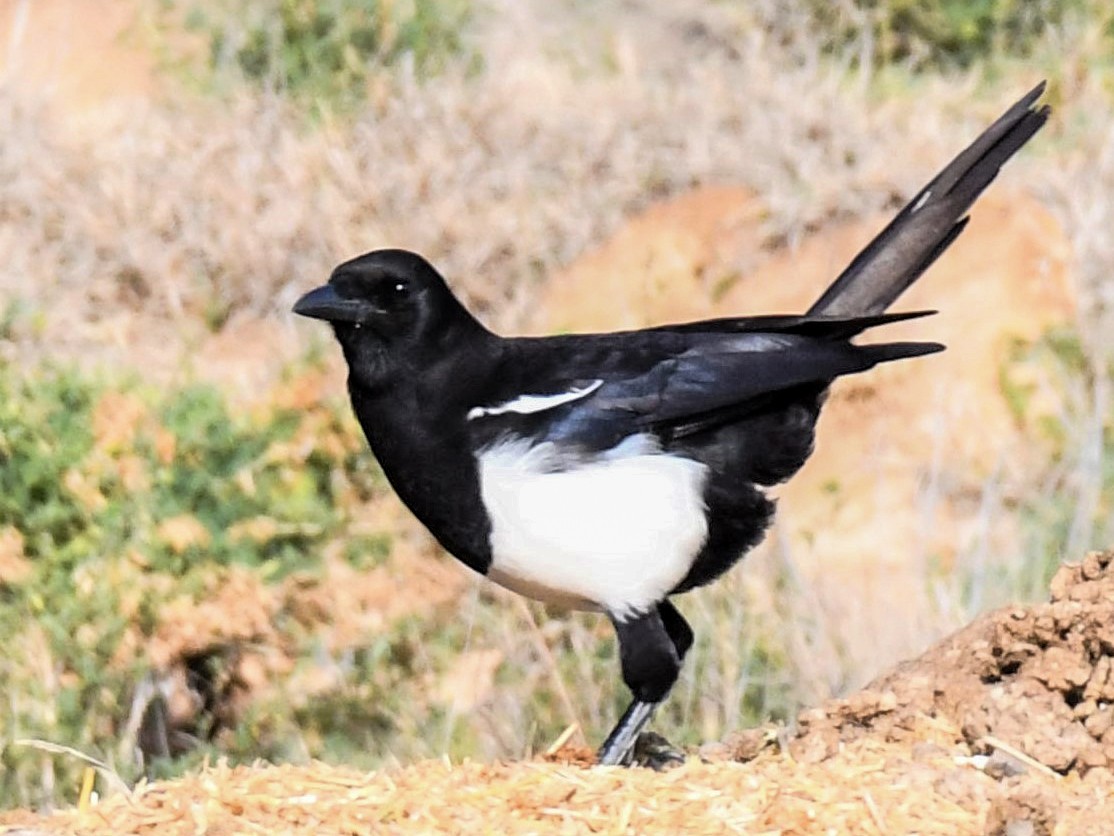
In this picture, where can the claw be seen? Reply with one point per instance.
(653, 751)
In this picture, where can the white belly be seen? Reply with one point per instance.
(616, 532)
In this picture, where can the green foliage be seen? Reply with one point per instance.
(114, 503)
(941, 33)
(326, 51)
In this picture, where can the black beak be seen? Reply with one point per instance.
(325, 303)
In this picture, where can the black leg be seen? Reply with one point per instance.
(677, 628)
(651, 647)
(618, 749)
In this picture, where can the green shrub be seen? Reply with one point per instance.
(115, 503)
(940, 33)
(326, 51)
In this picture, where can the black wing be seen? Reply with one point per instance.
(713, 375)
(729, 374)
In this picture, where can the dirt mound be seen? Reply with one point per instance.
(1004, 728)
(1025, 694)
(1035, 682)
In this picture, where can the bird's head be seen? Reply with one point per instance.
(389, 309)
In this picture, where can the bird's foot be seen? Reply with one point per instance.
(653, 751)
(629, 745)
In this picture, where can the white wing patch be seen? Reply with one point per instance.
(527, 404)
(616, 532)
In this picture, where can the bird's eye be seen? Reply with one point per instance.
(400, 287)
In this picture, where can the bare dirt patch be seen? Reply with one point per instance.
(94, 54)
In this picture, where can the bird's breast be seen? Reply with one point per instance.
(615, 530)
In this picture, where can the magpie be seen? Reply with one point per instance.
(611, 471)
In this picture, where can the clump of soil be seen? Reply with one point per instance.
(1024, 694)
(1038, 680)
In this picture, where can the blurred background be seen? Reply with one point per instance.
(198, 556)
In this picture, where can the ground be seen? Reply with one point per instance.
(1006, 727)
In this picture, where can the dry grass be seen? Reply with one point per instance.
(773, 794)
(870, 786)
(203, 207)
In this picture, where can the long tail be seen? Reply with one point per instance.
(932, 220)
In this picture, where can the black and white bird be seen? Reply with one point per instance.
(610, 472)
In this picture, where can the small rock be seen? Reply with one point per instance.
(745, 745)
(816, 746)
(1099, 775)
(1091, 757)
(1087, 592)
(887, 701)
(1101, 684)
(1052, 741)
(1062, 669)
(1044, 629)
(1085, 709)
(812, 716)
(1020, 828)
(1099, 722)
(867, 704)
(1066, 577)
(1093, 565)
(1103, 626)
